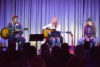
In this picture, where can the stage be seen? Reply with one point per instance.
(34, 14)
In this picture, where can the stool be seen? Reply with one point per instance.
(17, 45)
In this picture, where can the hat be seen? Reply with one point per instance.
(89, 19)
(14, 16)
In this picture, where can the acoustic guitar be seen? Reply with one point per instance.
(5, 32)
(46, 32)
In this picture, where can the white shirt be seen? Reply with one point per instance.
(50, 26)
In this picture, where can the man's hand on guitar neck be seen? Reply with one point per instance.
(17, 30)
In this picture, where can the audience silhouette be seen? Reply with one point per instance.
(58, 56)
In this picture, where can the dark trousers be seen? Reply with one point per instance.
(12, 40)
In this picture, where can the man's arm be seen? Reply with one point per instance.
(85, 33)
(95, 30)
(47, 26)
(94, 33)
(58, 28)
(10, 27)
(19, 28)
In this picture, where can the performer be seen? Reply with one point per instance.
(89, 33)
(16, 32)
(57, 28)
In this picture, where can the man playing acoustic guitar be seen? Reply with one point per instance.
(54, 35)
(16, 32)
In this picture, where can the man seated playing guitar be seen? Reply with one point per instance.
(89, 33)
(16, 32)
(55, 34)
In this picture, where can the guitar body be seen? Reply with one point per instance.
(5, 33)
(45, 32)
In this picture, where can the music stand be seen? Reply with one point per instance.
(36, 37)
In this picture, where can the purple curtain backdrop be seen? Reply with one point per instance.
(34, 14)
